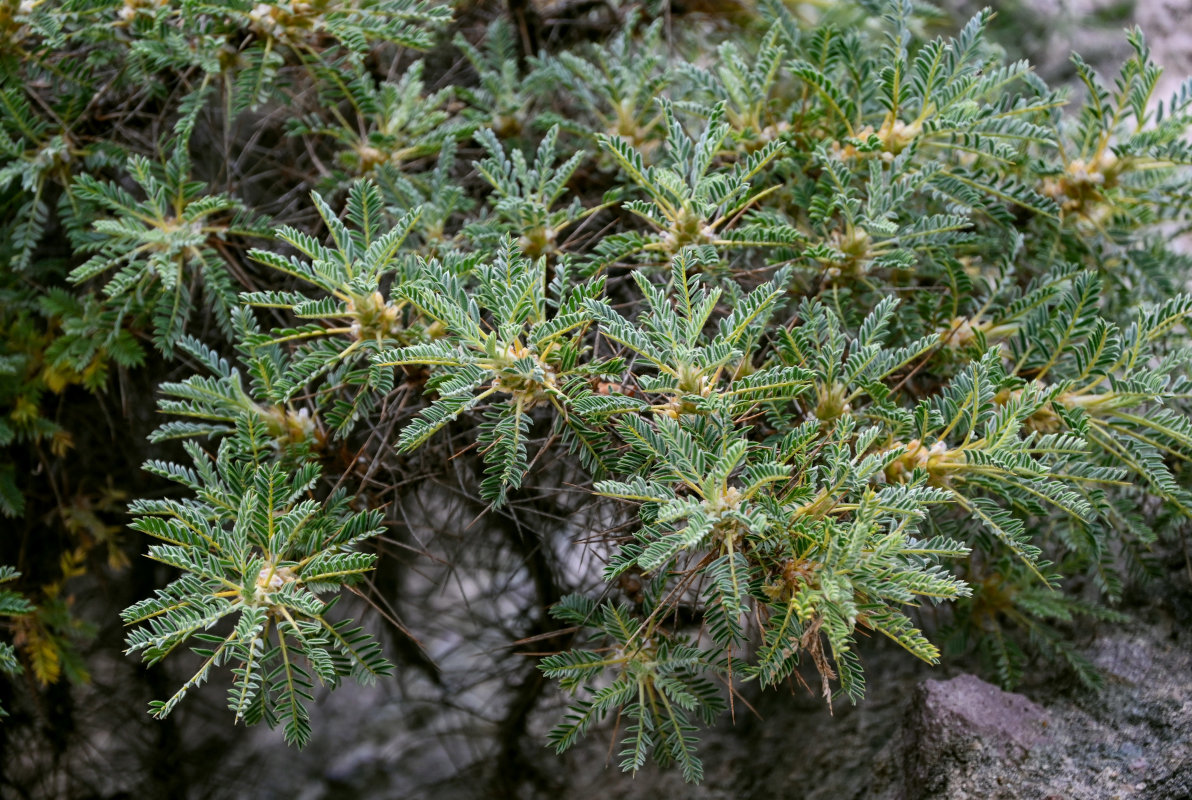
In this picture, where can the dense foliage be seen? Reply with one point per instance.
(838, 320)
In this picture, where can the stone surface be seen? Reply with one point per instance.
(963, 739)
(961, 719)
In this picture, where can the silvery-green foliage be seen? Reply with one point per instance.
(257, 548)
(844, 322)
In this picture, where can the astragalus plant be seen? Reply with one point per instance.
(840, 318)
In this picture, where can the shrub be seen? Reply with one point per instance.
(858, 319)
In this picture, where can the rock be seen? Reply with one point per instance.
(964, 739)
(1124, 658)
(1170, 43)
(961, 720)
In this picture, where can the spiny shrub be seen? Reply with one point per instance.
(856, 320)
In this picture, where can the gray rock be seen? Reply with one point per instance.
(961, 720)
(964, 739)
